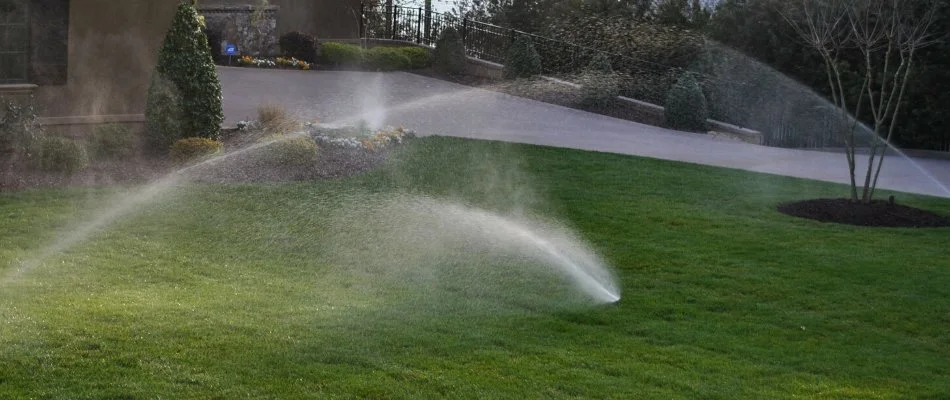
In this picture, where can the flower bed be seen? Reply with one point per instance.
(359, 137)
(278, 62)
(340, 151)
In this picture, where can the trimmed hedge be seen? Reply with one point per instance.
(387, 59)
(341, 54)
(418, 57)
(378, 58)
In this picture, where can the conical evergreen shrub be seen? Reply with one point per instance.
(522, 60)
(449, 53)
(686, 105)
(600, 63)
(600, 86)
(184, 98)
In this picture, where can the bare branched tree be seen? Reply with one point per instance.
(885, 35)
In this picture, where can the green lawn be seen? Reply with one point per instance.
(253, 291)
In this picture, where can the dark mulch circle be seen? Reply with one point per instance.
(879, 213)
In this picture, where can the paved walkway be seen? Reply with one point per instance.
(431, 106)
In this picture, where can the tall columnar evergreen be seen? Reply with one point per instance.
(184, 99)
(686, 105)
(522, 60)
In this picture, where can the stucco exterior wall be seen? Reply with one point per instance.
(112, 49)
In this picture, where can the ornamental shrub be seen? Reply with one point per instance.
(64, 155)
(449, 54)
(387, 59)
(600, 86)
(299, 45)
(114, 142)
(418, 57)
(341, 54)
(522, 60)
(194, 148)
(600, 63)
(287, 151)
(184, 99)
(686, 105)
(18, 130)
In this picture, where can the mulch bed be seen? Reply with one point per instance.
(879, 213)
(331, 163)
(100, 173)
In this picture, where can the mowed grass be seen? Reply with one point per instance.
(231, 291)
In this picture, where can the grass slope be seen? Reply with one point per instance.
(231, 291)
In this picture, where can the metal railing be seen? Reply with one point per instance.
(640, 79)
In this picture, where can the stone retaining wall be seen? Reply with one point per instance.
(252, 28)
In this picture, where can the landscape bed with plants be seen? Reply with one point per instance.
(304, 52)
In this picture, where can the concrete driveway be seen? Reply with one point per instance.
(435, 107)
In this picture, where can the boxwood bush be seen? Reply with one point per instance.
(287, 151)
(419, 57)
(64, 155)
(686, 105)
(194, 148)
(387, 59)
(522, 60)
(600, 86)
(341, 54)
(114, 142)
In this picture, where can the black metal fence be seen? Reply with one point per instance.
(640, 79)
(482, 40)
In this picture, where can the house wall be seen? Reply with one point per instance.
(112, 49)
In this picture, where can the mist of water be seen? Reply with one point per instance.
(410, 234)
(750, 93)
(437, 226)
(372, 96)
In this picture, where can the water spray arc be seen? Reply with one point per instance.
(557, 249)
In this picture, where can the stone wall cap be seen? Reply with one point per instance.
(230, 9)
(17, 88)
(91, 119)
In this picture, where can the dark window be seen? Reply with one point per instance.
(49, 41)
(14, 41)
